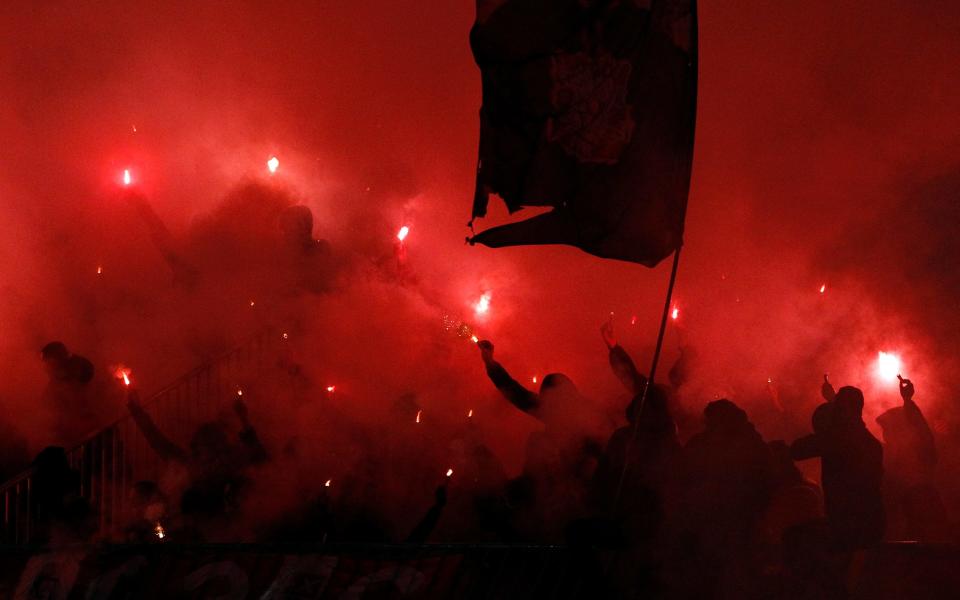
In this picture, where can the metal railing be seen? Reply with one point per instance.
(110, 461)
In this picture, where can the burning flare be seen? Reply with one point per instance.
(675, 314)
(126, 177)
(482, 306)
(470, 414)
(823, 288)
(273, 164)
(327, 484)
(402, 234)
(331, 388)
(474, 339)
(449, 472)
(888, 365)
(124, 374)
(419, 412)
(159, 531)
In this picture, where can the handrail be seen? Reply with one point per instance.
(112, 458)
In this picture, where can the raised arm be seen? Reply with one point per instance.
(429, 521)
(927, 448)
(160, 443)
(806, 447)
(621, 363)
(515, 393)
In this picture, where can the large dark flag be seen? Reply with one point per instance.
(588, 108)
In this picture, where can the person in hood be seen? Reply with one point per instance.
(560, 459)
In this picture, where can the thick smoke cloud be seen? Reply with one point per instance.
(826, 154)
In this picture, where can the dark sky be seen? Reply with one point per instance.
(826, 153)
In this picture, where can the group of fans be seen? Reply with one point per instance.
(726, 510)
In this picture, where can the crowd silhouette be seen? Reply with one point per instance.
(724, 514)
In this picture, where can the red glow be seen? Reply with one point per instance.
(127, 179)
(402, 234)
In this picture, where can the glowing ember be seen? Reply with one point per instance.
(419, 412)
(402, 234)
(482, 306)
(470, 414)
(823, 288)
(124, 374)
(273, 164)
(633, 320)
(252, 303)
(126, 177)
(159, 531)
(331, 388)
(675, 314)
(449, 472)
(99, 270)
(888, 365)
(327, 484)
(534, 378)
(285, 336)
(239, 392)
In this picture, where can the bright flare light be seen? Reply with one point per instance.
(419, 412)
(126, 177)
(482, 306)
(159, 531)
(823, 288)
(888, 365)
(470, 414)
(474, 339)
(124, 374)
(675, 314)
(273, 164)
(449, 472)
(402, 234)
(327, 483)
(331, 388)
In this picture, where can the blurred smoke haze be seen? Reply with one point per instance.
(827, 147)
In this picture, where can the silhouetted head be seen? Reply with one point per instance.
(849, 404)
(209, 442)
(724, 415)
(55, 358)
(52, 460)
(822, 417)
(558, 394)
(296, 223)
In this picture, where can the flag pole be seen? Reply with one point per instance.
(653, 372)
